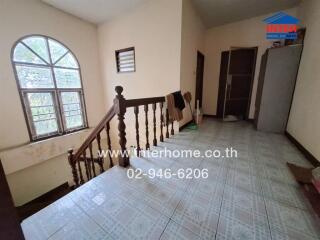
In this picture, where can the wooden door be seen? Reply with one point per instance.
(222, 83)
(239, 82)
(199, 79)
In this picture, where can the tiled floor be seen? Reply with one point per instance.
(253, 196)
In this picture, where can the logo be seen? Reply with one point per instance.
(281, 26)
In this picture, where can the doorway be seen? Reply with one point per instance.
(199, 79)
(235, 82)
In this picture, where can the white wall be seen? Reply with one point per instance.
(246, 33)
(192, 40)
(24, 17)
(305, 115)
(154, 29)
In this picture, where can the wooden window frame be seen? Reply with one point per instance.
(117, 52)
(55, 91)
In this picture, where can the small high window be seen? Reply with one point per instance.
(125, 60)
(49, 82)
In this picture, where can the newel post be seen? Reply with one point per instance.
(73, 167)
(120, 109)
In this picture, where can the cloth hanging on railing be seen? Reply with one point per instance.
(175, 114)
(178, 100)
(187, 97)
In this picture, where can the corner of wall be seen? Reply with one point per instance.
(304, 113)
(192, 40)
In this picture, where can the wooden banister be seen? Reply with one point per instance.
(143, 101)
(84, 156)
(120, 109)
(95, 132)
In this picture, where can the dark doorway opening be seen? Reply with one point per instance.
(199, 79)
(235, 82)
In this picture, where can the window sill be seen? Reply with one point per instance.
(53, 137)
(20, 157)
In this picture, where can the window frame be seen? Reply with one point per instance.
(117, 52)
(55, 92)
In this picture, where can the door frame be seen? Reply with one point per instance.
(252, 82)
(197, 69)
(224, 63)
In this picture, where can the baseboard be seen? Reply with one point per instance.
(312, 159)
(209, 116)
(204, 115)
(185, 125)
(215, 116)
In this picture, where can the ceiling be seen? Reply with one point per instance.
(95, 11)
(212, 12)
(219, 12)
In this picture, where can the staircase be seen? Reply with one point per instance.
(93, 163)
(30, 208)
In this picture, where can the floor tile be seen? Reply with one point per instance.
(175, 231)
(245, 166)
(279, 174)
(161, 197)
(83, 228)
(124, 221)
(51, 219)
(244, 181)
(287, 222)
(199, 212)
(217, 172)
(284, 193)
(244, 228)
(235, 198)
(251, 196)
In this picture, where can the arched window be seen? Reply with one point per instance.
(49, 82)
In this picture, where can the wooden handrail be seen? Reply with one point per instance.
(93, 135)
(84, 156)
(143, 101)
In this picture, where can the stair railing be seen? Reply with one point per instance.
(79, 159)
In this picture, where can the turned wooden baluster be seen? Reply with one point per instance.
(167, 123)
(136, 112)
(120, 109)
(147, 127)
(92, 161)
(172, 130)
(100, 157)
(73, 167)
(161, 122)
(87, 165)
(154, 107)
(109, 144)
(80, 172)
